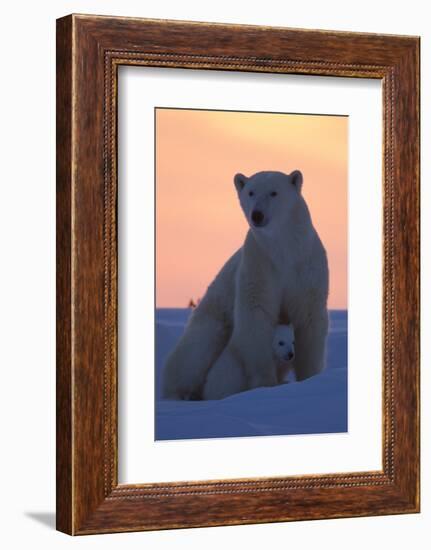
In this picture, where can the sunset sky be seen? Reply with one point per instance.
(199, 222)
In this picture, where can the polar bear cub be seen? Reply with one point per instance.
(228, 374)
(283, 347)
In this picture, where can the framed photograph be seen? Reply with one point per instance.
(237, 274)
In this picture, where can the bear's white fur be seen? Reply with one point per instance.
(279, 276)
(283, 347)
(226, 373)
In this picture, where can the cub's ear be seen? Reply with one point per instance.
(240, 180)
(296, 179)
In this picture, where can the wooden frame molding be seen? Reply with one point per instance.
(89, 51)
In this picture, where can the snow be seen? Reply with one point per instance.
(316, 405)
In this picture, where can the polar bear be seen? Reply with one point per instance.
(283, 347)
(226, 373)
(279, 276)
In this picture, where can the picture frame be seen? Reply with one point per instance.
(89, 51)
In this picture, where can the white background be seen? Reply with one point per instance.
(140, 458)
(27, 126)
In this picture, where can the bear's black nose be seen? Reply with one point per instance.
(290, 355)
(257, 217)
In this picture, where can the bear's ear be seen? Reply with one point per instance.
(296, 179)
(240, 180)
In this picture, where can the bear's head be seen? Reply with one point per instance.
(283, 344)
(268, 199)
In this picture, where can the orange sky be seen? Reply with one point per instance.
(199, 222)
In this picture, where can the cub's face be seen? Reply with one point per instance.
(268, 198)
(283, 343)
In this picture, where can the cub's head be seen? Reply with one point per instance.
(283, 343)
(268, 198)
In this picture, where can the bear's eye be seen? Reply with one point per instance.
(273, 193)
(250, 193)
(281, 343)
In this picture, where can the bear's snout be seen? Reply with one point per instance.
(257, 217)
